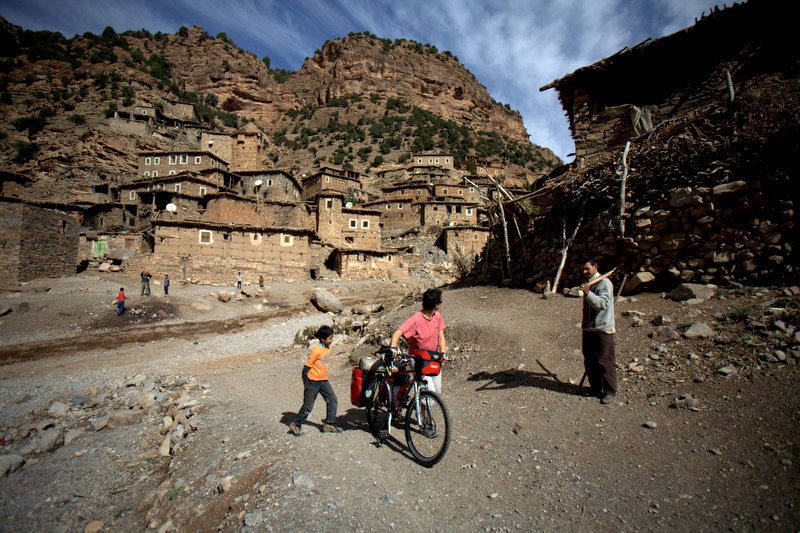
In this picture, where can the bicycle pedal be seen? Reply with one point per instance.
(383, 434)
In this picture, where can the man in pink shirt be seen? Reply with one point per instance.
(425, 330)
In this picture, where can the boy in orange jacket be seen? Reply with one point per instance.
(315, 381)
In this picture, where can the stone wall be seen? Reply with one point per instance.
(739, 231)
(36, 242)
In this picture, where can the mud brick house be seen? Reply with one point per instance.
(275, 185)
(443, 161)
(244, 150)
(641, 87)
(347, 227)
(214, 250)
(418, 192)
(233, 235)
(449, 213)
(464, 241)
(331, 178)
(154, 164)
(397, 213)
(37, 242)
(188, 191)
(184, 112)
(483, 167)
(355, 263)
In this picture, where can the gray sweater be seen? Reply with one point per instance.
(598, 308)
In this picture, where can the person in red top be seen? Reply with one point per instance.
(315, 381)
(121, 301)
(425, 330)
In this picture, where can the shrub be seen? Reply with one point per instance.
(77, 119)
(25, 151)
(110, 110)
(183, 31)
(33, 124)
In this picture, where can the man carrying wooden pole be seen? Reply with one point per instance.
(598, 333)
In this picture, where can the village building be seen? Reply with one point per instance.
(271, 185)
(347, 227)
(244, 150)
(483, 167)
(464, 242)
(185, 112)
(37, 242)
(638, 88)
(331, 178)
(442, 161)
(449, 213)
(156, 163)
(233, 235)
(369, 264)
(188, 191)
(397, 213)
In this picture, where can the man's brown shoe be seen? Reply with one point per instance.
(295, 430)
(330, 428)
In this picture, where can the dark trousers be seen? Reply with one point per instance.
(310, 391)
(600, 362)
(120, 306)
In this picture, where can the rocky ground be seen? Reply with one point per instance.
(703, 435)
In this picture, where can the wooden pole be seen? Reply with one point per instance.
(622, 190)
(566, 244)
(507, 256)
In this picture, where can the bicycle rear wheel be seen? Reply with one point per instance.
(428, 431)
(377, 409)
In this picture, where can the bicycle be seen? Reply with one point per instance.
(399, 384)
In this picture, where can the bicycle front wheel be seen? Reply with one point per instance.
(428, 430)
(377, 409)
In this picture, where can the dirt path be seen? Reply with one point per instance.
(526, 453)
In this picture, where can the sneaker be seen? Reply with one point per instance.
(295, 430)
(330, 428)
(608, 398)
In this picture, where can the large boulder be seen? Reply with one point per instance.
(638, 281)
(691, 291)
(326, 302)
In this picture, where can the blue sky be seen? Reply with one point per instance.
(513, 47)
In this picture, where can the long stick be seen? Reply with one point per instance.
(564, 250)
(622, 190)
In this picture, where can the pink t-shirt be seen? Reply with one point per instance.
(421, 332)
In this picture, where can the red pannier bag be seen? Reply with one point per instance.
(429, 362)
(356, 386)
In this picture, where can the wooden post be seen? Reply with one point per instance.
(622, 190)
(507, 256)
(730, 84)
(565, 247)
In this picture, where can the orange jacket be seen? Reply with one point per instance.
(317, 364)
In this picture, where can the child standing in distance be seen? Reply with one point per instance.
(121, 301)
(425, 330)
(315, 381)
(166, 284)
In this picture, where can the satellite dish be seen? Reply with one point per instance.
(348, 204)
(172, 208)
(258, 182)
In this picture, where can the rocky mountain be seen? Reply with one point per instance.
(57, 97)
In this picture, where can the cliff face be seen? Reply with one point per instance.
(354, 65)
(434, 82)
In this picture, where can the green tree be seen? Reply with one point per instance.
(25, 151)
(183, 31)
(266, 60)
(77, 119)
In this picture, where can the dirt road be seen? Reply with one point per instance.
(526, 453)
